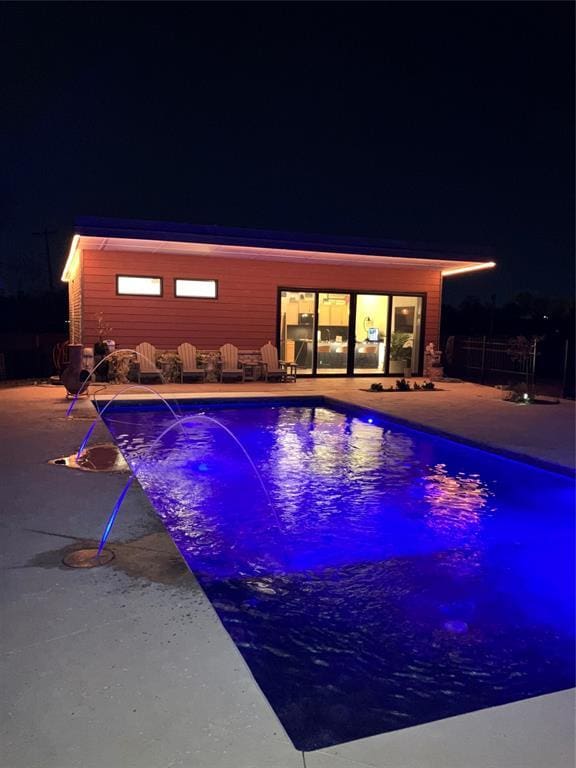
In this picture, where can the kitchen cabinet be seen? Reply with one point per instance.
(324, 314)
(339, 314)
(292, 313)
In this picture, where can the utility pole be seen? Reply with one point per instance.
(46, 234)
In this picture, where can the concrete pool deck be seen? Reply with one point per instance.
(128, 666)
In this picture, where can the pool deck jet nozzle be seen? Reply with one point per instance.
(88, 558)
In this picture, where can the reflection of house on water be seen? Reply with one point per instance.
(454, 503)
(349, 467)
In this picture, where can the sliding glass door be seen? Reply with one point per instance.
(297, 328)
(371, 333)
(405, 322)
(333, 333)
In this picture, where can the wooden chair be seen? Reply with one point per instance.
(146, 365)
(274, 368)
(187, 354)
(229, 365)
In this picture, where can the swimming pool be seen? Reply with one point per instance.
(375, 577)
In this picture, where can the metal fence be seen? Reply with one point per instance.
(544, 365)
(484, 359)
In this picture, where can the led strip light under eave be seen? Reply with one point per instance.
(70, 259)
(475, 268)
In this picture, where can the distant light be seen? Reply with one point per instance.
(526, 396)
(545, 317)
(460, 270)
(370, 421)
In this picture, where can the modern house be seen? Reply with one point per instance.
(335, 306)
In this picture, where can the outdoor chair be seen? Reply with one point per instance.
(274, 368)
(187, 354)
(229, 367)
(145, 365)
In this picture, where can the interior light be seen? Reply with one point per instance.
(132, 285)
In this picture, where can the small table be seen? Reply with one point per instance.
(291, 370)
(252, 371)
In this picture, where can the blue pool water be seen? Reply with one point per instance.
(387, 578)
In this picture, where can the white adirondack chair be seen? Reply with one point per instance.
(229, 366)
(187, 353)
(146, 362)
(274, 368)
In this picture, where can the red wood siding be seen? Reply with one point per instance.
(244, 312)
(75, 305)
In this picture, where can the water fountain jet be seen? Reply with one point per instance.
(179, 423)
(95, 368)
(109, 403)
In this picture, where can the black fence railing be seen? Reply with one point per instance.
(28, 355)
(543, 365)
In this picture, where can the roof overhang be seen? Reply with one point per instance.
(447, 266)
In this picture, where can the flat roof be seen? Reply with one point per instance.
(234, 242)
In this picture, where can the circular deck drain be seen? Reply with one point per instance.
(88, 558)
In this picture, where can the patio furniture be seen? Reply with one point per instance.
(145, 364)
(187, 353)
(253, 370)
(229, 367)
(274, 368)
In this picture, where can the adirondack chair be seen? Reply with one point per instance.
(146, 365)
(187, 353)
(229, 365)
(274, 368)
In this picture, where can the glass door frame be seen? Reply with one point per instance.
(354, 293)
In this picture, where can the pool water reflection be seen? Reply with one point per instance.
(407, 578)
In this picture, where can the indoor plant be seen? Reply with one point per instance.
(400, 355)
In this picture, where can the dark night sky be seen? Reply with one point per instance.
(439, 122)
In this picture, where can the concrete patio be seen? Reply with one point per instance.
(128, 666)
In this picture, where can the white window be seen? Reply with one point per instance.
(196, 289)
(138, 286)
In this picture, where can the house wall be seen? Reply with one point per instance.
(245, 311)
(75, 301)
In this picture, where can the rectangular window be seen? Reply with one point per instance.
(138, 286)
(196, 289)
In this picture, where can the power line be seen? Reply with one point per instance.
(46, 234)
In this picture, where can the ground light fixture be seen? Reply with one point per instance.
(88, 558)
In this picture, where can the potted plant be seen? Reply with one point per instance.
(104, 331)
(171, 365)
(101, 348)
(400, 355)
